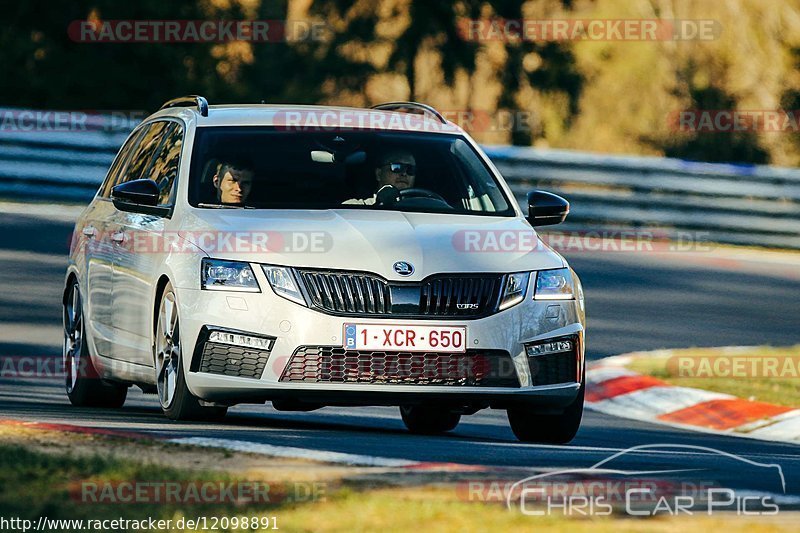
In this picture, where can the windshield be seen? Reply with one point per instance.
(268, 168)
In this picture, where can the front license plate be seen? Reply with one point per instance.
(377, 337)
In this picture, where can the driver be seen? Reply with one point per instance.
(396, 167)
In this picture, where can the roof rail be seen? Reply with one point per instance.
(191, 100)
(411, 106)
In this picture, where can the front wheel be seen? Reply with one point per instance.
(83, 384)
(176, 401)
(547, 429)
(428, 420)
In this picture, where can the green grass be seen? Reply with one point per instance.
(34, 484)
(436, 510)
(777, 390)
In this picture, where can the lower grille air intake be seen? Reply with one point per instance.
(332, 364)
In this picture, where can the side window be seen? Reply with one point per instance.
(142, 156)
(119, 162)
(165, 166)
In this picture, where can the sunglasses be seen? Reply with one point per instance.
(406, 168)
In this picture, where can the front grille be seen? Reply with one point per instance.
(554, 368)
(347, 293)
(459, 296)
(332, 364)
(441, 296)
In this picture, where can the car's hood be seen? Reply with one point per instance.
(373, 241)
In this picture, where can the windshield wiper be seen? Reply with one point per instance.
(225, 206)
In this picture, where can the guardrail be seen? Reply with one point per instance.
(37, 162)
(738, 204)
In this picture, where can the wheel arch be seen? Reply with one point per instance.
(161, 284)
(71, 278)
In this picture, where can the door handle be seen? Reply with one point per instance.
(89, 231)
(118, 237)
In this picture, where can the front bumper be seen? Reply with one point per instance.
(292, 326)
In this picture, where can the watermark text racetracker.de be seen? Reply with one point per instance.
(634, 240)
(735, 121)
(200, 492)
(196, 31)
(734, 366)
(34, 367)
(244, 242)
(463, 241)
(472, 120)
(597, 29)
(71, 121)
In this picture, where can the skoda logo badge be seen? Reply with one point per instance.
(403, 268)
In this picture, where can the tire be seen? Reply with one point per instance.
(82, 381)
(547, 429)
(428, 420)
(176, 401)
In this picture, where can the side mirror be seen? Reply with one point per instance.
(546, 208)
(138, 196)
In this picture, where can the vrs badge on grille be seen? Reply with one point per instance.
(467, 306)
(403, 268)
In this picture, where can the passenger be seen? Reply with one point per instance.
(233, 181)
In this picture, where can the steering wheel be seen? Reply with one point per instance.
(420, 193)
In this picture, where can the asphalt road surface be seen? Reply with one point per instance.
(635, 301)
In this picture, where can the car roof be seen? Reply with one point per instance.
(311, 118)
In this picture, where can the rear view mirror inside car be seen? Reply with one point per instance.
(322, 156)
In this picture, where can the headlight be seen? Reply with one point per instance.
(283, 282)
(554, 285)
(514, 288)
(219, 275)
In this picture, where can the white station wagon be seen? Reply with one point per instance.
(319, 256)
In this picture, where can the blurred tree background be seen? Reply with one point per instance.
(609, 96)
